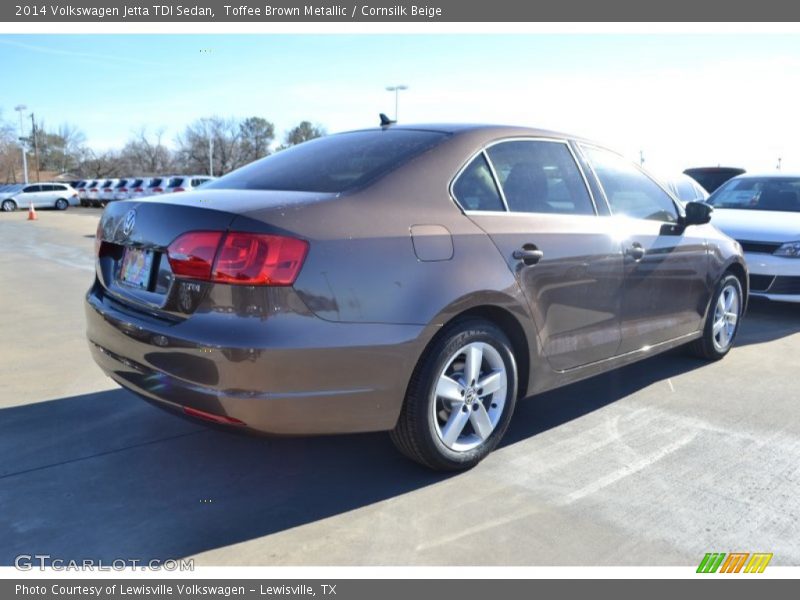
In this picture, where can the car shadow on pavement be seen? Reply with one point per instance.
(766, 321)
(108, 476)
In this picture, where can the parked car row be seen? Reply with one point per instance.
(39, 195)
(99, 192)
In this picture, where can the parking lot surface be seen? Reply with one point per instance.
(654, 464)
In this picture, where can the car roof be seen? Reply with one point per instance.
(490, 131)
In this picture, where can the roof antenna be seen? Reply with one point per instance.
(386, 121)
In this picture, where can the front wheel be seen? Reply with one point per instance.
(460, 398)
(722, 320)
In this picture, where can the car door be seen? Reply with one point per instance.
(50, 193)
(531, 198)
(30, 195)
(666, 265)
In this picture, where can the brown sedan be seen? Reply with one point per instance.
(417, 280)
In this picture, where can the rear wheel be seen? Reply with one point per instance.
(722, 320)
(460, 398)
(62, 204)
(9, 206)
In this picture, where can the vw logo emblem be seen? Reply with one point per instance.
(128, 223)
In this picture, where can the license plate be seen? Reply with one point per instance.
(136, 267)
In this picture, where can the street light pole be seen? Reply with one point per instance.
(396, 89)
(35, 145)
(20, 108)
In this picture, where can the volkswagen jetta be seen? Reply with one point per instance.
(417, 280)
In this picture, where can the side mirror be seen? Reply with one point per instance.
(697, 213)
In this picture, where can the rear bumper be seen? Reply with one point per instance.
(288, 374)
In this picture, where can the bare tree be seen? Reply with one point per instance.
(147, 155)
(213, 134)
(10, 154)
(257, 134)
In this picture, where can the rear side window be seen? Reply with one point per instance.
(475, 188)
(540, 177)
(334, 163)
(629, 191)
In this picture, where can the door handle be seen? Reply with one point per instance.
(635, 251)
(528, 255)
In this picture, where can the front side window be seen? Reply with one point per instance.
(475, 188)
(540, 177)
(629, 191)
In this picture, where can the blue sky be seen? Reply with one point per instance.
(682, 99)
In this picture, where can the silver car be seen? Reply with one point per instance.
(41, 195)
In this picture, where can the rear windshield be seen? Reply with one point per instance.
(155, 182)
(175, 182)
(759, 193)
(335, 163)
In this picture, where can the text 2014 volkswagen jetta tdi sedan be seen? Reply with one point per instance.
(411, 279)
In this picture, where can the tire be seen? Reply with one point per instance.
(9, 206)
(722, 320)
(448, 423)
(62, 204)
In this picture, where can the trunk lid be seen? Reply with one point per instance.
(133, 235)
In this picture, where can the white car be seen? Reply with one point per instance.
(93, 193)
(106, 193)
(157, 185)
(137, 187)
(186, 183)
(41, 195)
(762, 212)
(123, 190)
(83, 191)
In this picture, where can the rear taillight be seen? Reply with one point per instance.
(138, 190)
(158, 189)
(123, 189)
(192, 254)
(179, 190)
(237, 257)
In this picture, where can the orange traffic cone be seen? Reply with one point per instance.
(31, 212)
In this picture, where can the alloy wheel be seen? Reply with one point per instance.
(726, 317)
(469, 396)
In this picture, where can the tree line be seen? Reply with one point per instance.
(230, 142)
